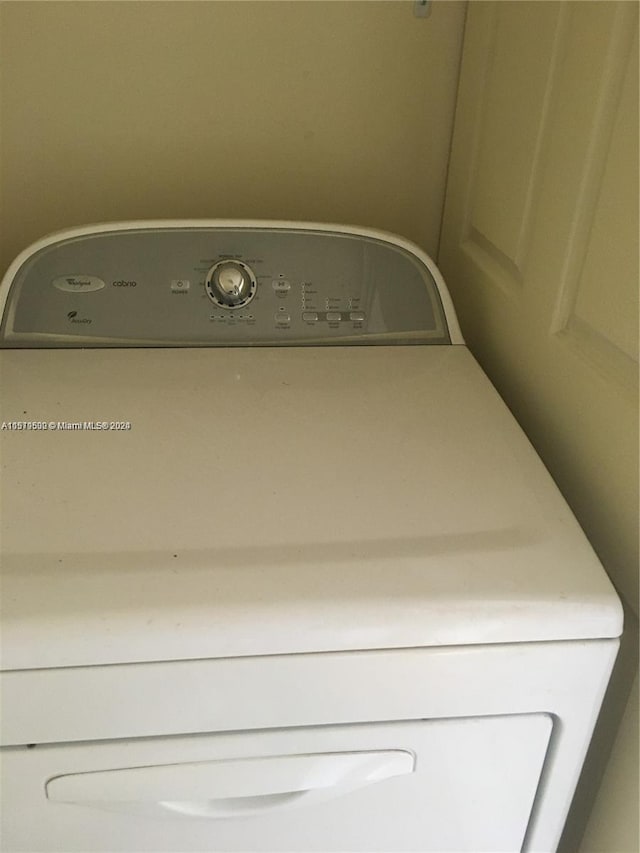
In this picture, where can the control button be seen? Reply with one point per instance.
(281, 285)
(230, 284)
(230, 280)
(310, 316)
(78, 283)
(180, 285)
(282, 319)
(357, 316)
(333, 317)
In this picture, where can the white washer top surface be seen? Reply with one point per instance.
(278, 500)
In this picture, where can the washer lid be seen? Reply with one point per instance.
(275, 501)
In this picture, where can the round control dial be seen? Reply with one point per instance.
(230, 284)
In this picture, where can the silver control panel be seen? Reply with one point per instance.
(221, 286)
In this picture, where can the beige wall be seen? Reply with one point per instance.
(326, 111)
(611, 827)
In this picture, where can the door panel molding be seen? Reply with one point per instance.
(494, 242)
(587, 338)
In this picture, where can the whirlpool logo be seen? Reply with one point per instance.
(72, 316)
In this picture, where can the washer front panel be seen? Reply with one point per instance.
(152, 287)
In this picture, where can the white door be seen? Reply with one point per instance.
(540, 243)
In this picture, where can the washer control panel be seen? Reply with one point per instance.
(191, 285)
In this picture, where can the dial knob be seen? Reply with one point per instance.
(230, 284)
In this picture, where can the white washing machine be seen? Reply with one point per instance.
(280, 571)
